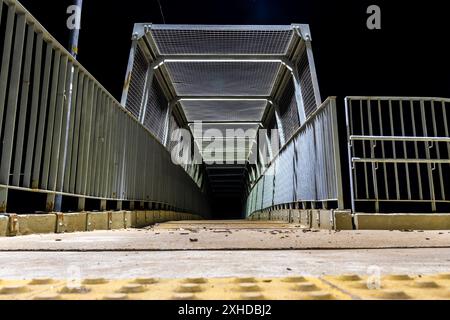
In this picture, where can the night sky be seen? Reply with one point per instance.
(409, 56)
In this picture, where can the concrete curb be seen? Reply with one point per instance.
(310, 219)
(343, 220)
(18, 225)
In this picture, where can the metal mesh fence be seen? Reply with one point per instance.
(224, 111)
(307, 169)
(289, 111)
(156, 110)
(137, 82)
(183, 40)
(223, 78)
(306, 85)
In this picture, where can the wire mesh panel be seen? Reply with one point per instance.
(137, 82)
(400, 153)
(213, 39)
(306, 84)
(289, 111)
(284, 177)
(308, 168)
(223, 110)
(223, 78)
(156, 111)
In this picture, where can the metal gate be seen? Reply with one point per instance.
(399, 151)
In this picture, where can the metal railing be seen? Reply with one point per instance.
(399, 151)
(90, 149)
(307, 170)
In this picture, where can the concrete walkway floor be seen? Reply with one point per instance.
(221, 264)
(223, 249)
(225, 236)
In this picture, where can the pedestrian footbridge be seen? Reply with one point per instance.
(214, 122)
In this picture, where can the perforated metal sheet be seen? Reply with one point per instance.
(223, 78)
(230, 40)
(220, 110)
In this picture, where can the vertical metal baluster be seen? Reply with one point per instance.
(405, 150)
(351, 153)
(444, 112)
(416, 148)
(99, 149)
(93, 146)
(63, 162)
(54, 168)
(72, 142)
(18, 157)
(383, 151)
(394, 148)
(428, 155)
(32, 134)
(12, 104)
(373, 145)
(83, 140)
(363, 132)
(51, 121)
(438, 150)
(42, 118)
(109, 152)
(89, 137)
(105, 140)
(6, 59)
(109, 156)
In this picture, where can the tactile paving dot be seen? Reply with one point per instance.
(305, 287)
(41, 282)
(189, 288)
(95, 281)
(349, 277)
(399, 277)
(75, 290)
(252, 296)
(117, 296)
(392, 295)
(145, 281)
(133, 288)
(196, 280)
(183, 296)
(48, 296)
(320, 296)
(14, 289)
(248, 287)
(424, 284)
(294, 279)
(245, 280)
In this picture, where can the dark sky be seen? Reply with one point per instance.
(409, 56)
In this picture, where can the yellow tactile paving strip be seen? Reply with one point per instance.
(343, 287)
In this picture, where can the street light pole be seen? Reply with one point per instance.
(73, 49)
(75, 32)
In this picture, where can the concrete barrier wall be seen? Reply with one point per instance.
(344, 220)
(310, 219)
(18, 225)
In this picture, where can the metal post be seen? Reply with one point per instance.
(73, 48)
